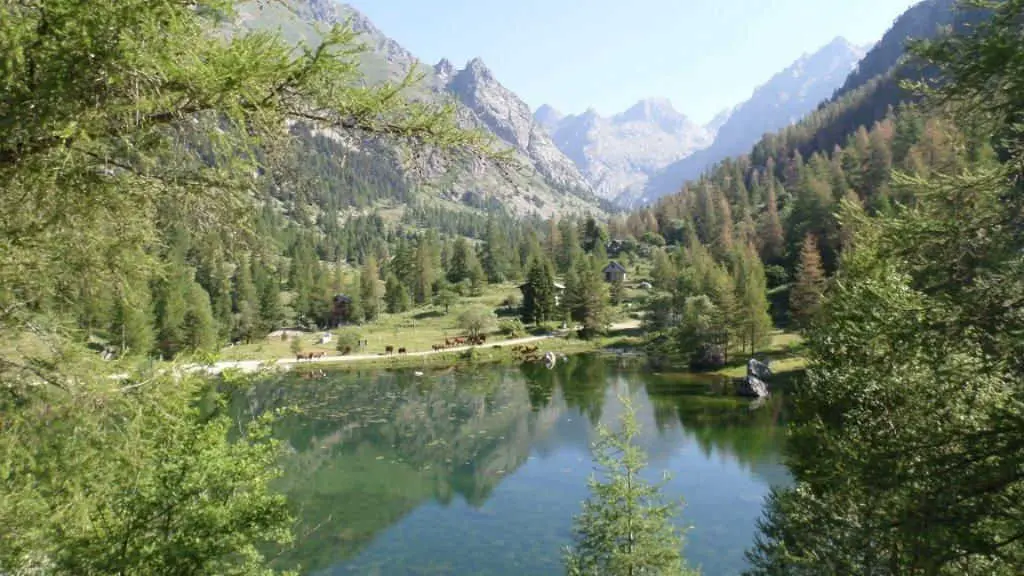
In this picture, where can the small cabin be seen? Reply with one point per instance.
(614, 272)
(341, 310)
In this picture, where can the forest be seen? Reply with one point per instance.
(154, 209)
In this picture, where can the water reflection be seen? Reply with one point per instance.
(385, 468)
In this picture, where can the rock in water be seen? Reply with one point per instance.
(752, 384)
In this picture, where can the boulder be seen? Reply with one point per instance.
(753, 383)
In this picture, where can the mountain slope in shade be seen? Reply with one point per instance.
(549, 183)
(783, 100)
(618, 154)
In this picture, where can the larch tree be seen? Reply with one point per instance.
(625, 528)
(121, 119)
(809, 286)
(772, 236)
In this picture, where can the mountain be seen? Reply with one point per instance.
(618, 154)
(876, 86)
(719, 120)
(548, 117)
(548, 182)
(784, 99)
(509, 118)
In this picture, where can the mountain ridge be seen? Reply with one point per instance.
(550, 182)
(784, 99)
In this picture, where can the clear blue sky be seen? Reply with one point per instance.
(704, 55)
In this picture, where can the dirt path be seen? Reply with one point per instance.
(254, 365)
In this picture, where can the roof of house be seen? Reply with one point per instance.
(613, 265)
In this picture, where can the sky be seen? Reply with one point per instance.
(703, 55)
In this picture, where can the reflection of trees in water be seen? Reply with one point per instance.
(720, 424)
(584, 380)
(366, 449)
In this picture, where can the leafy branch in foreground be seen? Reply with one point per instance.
(125, 121)
(624, 529)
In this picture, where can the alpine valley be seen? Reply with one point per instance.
(577, 163)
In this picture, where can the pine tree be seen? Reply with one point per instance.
(269, 287)
(494, 257)
(172, 306)
(751, 293)
(396, 295)
(806, 294)
(132, 326)
(539, 293)
(426, 271)
(369, 289)
(625, 528)
(461, 262)
(246, 303)
(878, 166)
(663, 271)
(199, 326)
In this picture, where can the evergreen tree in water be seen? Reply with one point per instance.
(625, 528)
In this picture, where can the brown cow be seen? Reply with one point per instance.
(389, 349)
(401, 350)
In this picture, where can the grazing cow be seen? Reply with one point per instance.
(401, 350)
(346, 351)
(389, 349)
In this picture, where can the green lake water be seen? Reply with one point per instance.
(480, 470)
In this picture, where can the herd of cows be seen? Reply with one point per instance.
(477, 340)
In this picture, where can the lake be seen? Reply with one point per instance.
(480, 470)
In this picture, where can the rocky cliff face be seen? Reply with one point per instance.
(508, 117)
(548, 183)
(618, 154)
(784, 99)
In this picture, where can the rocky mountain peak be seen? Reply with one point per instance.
(548, 117)
(477, 68)
(655, 111)
(444, 69)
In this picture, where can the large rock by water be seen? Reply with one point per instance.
(753, 383)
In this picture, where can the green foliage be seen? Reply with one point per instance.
(111, 481)
(539, 293)
(905, 442)
(296, 344)
(624, 529)
(477, 320)
(586, 296)
(347, 339)
(396, 295)
(513, 328)
(809, 287)
(138, 142)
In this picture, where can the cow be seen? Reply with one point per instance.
(389, 349)
(401, 350)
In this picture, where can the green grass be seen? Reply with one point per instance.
(784, 351)
(416, 330)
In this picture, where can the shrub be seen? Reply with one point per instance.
(511, 328)
(348, 339)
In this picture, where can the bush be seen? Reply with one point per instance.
(476, 320)
(512, 328)
(348, 340)
(511, 301)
